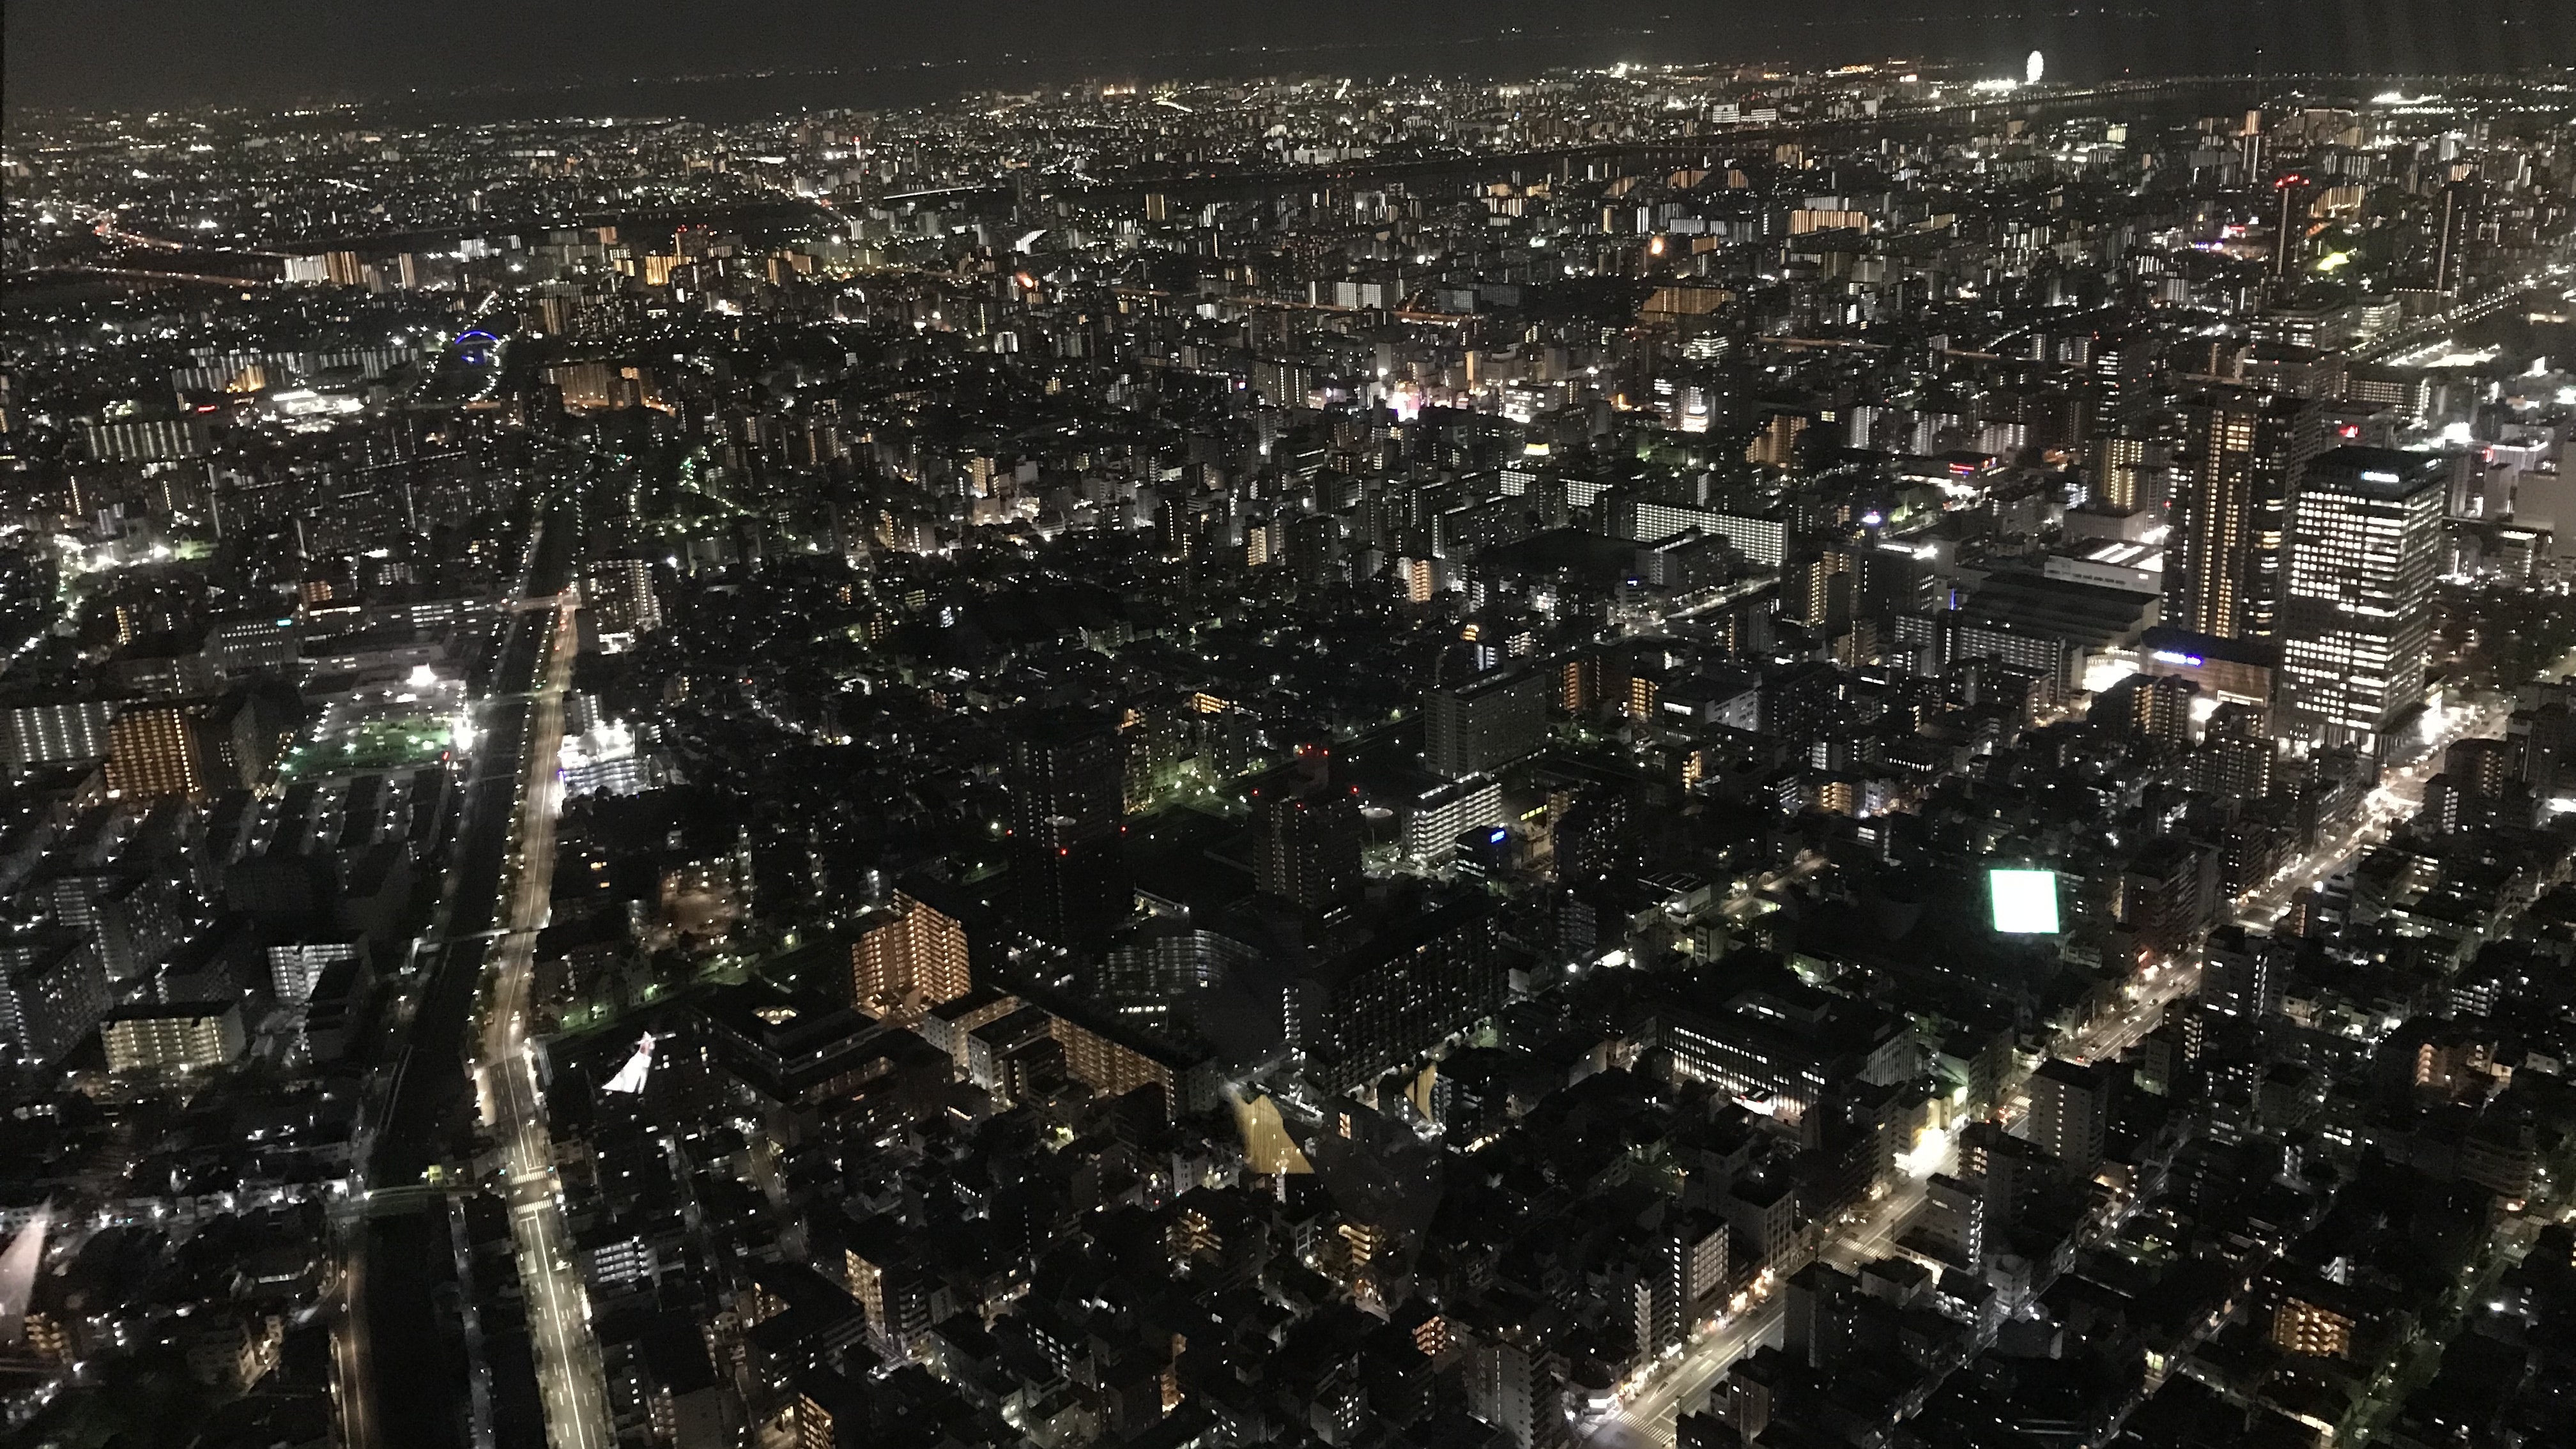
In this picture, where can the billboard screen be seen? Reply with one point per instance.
(2025, 901)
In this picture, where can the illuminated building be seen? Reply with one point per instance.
(52, 991)
(153, 750)
(2070, 1110)
(187, 1037)
(44, 732)
(1954, 1220)
(1440, 814)
(2231, 493)
(618, 595)
(2463, 212)
(2313, 1329)
(2286, 235)
(148, 439)
(1420, 582)
(914, 959)
(1780, 1047)
(1690, 1271)
(295, 966)
(1109, 1067)
(950, 1025)
(602, 761)
(2366, 541)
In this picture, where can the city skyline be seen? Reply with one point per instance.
(687, 59)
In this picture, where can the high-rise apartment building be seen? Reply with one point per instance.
(2463, 210)
(2213, 512)
(1307, 834)
(1390, 1000)
(2366, 541)
(2232, 485)
(913, 959)
(294, 967)
(2070, 1110)
(1484, 724)
(1066, 774)
(618, 592)
(53, 989)
(2288, 233)
(2130, 472)
(186, 1037)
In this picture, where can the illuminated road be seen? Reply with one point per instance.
(2436, 329)
(1648, 1415)
(569, 1378)
(1662, 614)
(2108, 1036)
(1649, 1418)
(350, 1346)
(395, 1385)
(2399, 795)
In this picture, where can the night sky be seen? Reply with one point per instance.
(103, 53)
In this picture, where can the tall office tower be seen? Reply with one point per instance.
(1480, 726)
(1066, 775)
(153, 750)
(913, 959)
(2070, 1108)
(2232, 488)
(2366, 539)
(2120, 367)
(2286, 236)
(1307, 834)
(2463, 208)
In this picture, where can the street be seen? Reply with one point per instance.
(2399, 795)
(1648, 1416)
(569, 1377)
(2108, 1036)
